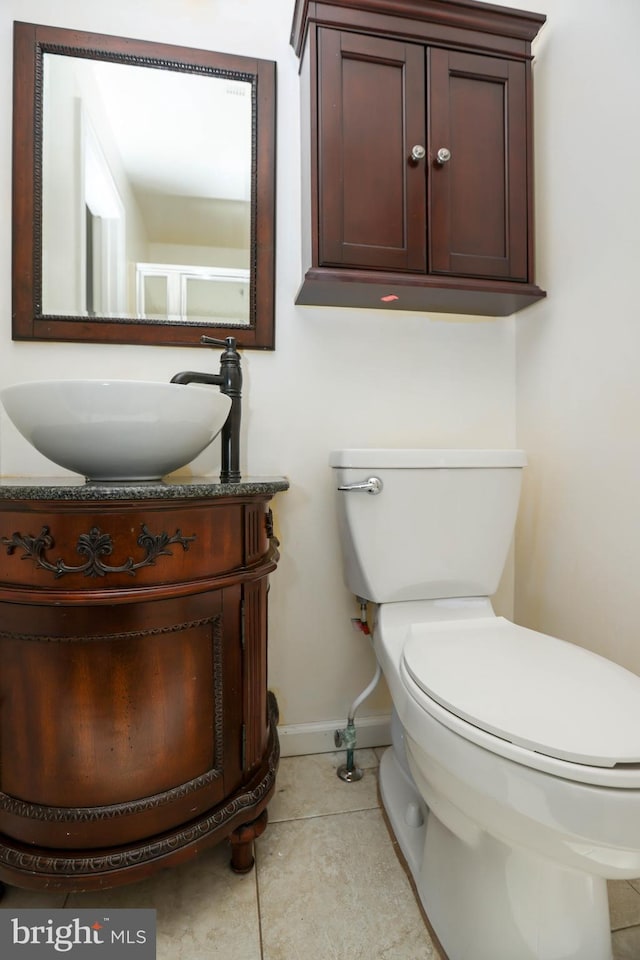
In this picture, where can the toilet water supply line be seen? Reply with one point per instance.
(349, 772)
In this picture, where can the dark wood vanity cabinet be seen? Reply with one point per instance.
(135, 723)
(418, 180)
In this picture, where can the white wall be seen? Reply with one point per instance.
(337, 377)
(578, 386)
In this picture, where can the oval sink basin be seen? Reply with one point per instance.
(117, 429)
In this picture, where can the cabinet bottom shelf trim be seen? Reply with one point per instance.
(329, 287)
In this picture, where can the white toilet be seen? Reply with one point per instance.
(513, 782)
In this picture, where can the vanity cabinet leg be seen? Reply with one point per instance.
(241, 840)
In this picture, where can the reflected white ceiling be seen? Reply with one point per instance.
(181, 134)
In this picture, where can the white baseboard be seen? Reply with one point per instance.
(297, 739)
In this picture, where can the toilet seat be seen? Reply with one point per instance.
(536, 692)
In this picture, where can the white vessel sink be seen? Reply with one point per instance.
(117, 429)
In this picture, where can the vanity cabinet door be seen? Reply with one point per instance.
(478, 192)
(132, 711)
(372, 200)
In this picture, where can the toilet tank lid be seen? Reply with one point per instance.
(419, 458)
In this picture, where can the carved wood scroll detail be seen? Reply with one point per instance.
(268, 522)
(94, 546)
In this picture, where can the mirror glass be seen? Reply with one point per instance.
(152, 194)
(146, 210)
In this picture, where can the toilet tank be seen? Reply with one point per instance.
(440, 526)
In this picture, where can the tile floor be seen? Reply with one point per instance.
(327, 884)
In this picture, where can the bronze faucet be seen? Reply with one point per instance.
(230, 382)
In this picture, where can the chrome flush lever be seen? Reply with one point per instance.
(373, 485)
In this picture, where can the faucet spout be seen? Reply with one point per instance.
(230, 382)
(194, 376)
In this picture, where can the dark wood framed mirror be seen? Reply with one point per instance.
(143, 191)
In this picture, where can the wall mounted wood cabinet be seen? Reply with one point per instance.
(417, 155)
(135, 724)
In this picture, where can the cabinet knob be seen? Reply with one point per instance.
(418, 152)
(443, 156)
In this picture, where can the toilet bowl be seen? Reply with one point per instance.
(513, 781)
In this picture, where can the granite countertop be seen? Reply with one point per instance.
(172, 488)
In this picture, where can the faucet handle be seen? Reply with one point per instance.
(229, 342)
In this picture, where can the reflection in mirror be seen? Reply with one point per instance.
(133, 179)
(153, 192)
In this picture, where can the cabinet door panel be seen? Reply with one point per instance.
(478, 199)
(108, 705)
(371, 113)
